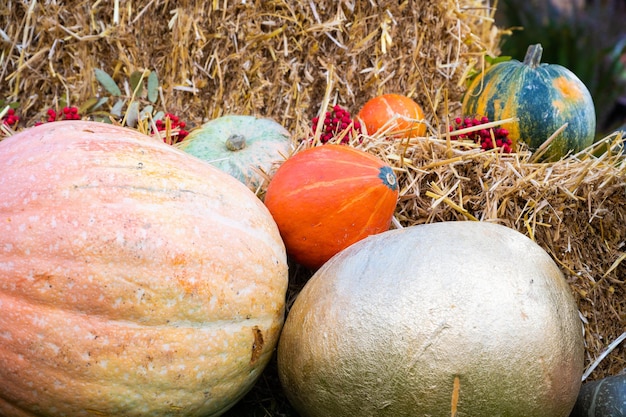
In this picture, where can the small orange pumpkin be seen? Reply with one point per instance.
(394, 114)
(326, 198)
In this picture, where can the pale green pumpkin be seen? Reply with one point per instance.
(246, 147)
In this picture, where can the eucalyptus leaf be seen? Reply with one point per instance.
(87, 105)
(107, 82)
(132, 114)
(136, 84)
(153, 87)
(159, 115)
(146, 111)
(100, 103)
(118, 107)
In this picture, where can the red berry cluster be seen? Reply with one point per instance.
(10, 118)
(335, 121)
(175, 124)
(483, 136)
(67, 113)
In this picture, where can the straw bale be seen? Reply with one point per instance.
(267, 58)
(290, 60)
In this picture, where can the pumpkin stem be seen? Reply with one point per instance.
(533, 55)
(235, 142)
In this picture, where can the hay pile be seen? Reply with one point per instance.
(289, 60)
(253, 57)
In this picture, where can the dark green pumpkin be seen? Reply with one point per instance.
(602, 398)
(542, 96)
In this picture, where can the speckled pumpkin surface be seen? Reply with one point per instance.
(135, 280)
(462, 319)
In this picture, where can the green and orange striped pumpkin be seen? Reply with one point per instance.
(542, 96)
(328, 197)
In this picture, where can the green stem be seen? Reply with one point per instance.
(533, 55)
(235, 142)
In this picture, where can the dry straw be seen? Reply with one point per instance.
(290, 60)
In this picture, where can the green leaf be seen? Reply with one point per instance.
(135, 83)
(118, 107)
(146, 111)
(497, 60)
(107, 82)
(159, 115)
(99, 104)
(87, 105)
(153, 87)
(132, 114)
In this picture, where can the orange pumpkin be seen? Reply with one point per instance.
(135, 279)
(326, 198)
(393, 115)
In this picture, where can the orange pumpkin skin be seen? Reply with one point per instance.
(134, 279)
(396, 115)
(326, 198)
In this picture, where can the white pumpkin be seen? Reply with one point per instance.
(457, 318)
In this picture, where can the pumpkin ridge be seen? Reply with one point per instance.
(348, 163)
(351, 204)
(363, 195)
(164, 322)
(368, 223)
(317, 185)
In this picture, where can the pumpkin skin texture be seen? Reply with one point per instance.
(453, 318)
(325, 198)
(605, 397)
(396, 115)
(542, 96)
(243, 146)
(134, 279)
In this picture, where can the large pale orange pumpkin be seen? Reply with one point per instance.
(326, 198)
(135, 280)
